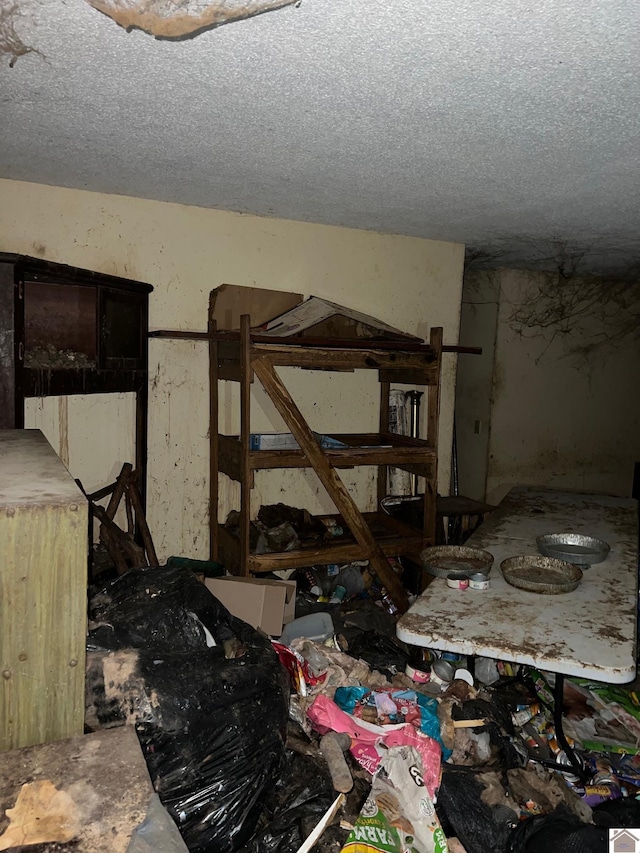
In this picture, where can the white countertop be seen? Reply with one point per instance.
(590, 632)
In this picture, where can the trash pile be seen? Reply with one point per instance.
(335, 736)
(205, 692)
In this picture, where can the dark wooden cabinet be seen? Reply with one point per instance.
(65, 330)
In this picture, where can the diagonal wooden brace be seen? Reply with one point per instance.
(329, 478)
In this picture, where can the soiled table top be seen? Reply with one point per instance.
(590, 632)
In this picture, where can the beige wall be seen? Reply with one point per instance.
(556, 421)
(478, 324)
(184, 252)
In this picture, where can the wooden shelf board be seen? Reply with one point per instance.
(364, 449)
(395, 538)
(424, 361)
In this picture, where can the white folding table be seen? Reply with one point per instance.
(590, 632)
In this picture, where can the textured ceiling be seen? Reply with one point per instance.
(508, 122)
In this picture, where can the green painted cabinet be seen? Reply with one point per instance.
(43, 592)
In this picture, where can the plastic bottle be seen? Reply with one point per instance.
(348, 583)
(338, 594)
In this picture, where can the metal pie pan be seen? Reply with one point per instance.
(574, 548)
(442, 560)
(543, 575)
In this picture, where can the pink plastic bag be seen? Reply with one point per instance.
(365, 737)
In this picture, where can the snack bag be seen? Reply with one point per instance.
(369, 743)
(398, 815)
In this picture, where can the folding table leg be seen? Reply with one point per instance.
(575, 762)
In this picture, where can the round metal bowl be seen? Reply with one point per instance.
(574, 548)
(442, 560)
(543, 575)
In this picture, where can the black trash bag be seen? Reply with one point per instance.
(363, 614)
(618, 813)
(386, 654)
(206, 692)
(293, 807)
(163, 607)
(498, 724)
(461, 809)
(559, 832)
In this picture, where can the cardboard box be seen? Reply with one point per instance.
(229, 302)
(266, 604)
(320, 317)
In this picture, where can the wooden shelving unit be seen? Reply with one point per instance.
(242, 356)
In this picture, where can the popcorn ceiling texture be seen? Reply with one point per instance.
(463, 121)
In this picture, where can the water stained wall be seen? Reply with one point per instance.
(185, 252)
(549, 417)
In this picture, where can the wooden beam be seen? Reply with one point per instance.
(214, 441)
(141, 524)
(329, 478)
(122, 481)
(246, 475)
(383, 426)
(433, 416)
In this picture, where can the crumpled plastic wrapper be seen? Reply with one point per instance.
(399, 813)
(341, 671)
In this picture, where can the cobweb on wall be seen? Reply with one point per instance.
(11, 43)
(182, 19)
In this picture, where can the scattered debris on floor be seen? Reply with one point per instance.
(336, 736)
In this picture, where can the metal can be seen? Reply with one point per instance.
(387, 602)
(441, 672)
(479, 581)
(417, 675)
(457, 580)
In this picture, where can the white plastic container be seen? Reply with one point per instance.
(315, 626)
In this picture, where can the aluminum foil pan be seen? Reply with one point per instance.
(543, 575)
(442, 560)
(574, 548)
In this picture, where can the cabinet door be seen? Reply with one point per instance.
(60, 327)
(123, 330)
